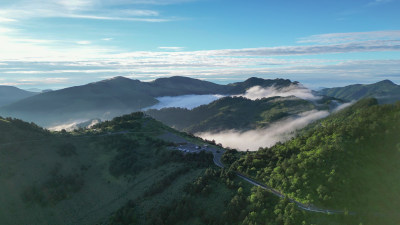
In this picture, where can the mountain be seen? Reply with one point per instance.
(83, 177)
(348, 161)
(385, 91)
(9, 94)
(241, 87)
(113, 97)
(177, 85)
(106, 98)
(231, 113)
(238, 113)
(128, 171)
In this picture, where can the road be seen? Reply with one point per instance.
(217, 161)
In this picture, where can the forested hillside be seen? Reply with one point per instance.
(236, 113)
(121, 172)
(83, 176)
(348, 161)
(385, 91)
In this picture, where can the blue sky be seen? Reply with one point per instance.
(61, 43)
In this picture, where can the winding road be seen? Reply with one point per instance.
(217, 161)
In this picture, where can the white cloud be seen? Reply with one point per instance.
(6, 20)
(362, 46)
(258, 92)
(378, 2)
(107, 39)
(351, 37)
(66, 57)
(184, 101)
(83, 42)
(36, 81)
(79, 9)
(253, 139)
(172, 48)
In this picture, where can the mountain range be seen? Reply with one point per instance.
(117, 96)
(109, 98)
(238, 113)
(10, 94)
(385, 91)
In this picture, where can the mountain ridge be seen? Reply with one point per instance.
(116, 96)
(385, 91)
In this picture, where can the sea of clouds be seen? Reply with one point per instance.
(251, 140)
(184, 101)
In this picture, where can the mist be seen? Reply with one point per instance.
(75, 125)
(251, 140)
(184, 101)
(258, 92)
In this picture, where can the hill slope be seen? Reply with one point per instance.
(348, 161)
(235, 113)
(385, 91)
(121, 172)
(9, 94)
(81, 178)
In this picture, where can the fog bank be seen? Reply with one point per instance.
(258, 92)
(253, 139)
(184, 101)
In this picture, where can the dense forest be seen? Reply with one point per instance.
(348, 161)
(384, 91)
(233, 113)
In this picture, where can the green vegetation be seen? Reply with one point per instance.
(57, 188)
(385, 91)
(218, 197)
(80, 177)
(121, 172)
(348, 161)
(232, 113)
(67, 150)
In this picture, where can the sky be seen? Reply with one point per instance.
(60, 43)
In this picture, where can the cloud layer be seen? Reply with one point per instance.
(258, 92)
(184, 101)
(253, 139)
(55, 59)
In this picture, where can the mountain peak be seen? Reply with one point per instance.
(119, 78)
(386, 82)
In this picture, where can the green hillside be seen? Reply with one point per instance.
(124, 172)
(84, 176)
(385, 91)
(348, 161)
(234, 113)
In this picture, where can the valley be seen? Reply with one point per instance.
(134, 169)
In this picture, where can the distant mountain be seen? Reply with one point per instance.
(104, 99)
(109, 98)
(385, 91)
(241, 87)
(9, 94)
(174, 86)
(234, 113)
